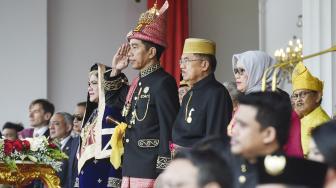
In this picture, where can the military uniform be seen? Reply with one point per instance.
(206, 110)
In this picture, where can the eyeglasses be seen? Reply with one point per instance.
(239, 71)
(92, 83)
(184, 61)
(78, 117)
(302, 94)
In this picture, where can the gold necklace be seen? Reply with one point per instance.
(134, 113)
(189, 118)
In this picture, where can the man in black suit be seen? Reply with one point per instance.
(60, 127)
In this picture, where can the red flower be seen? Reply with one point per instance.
(171, 146)
(8, 147)
(18, 145)
(26, 145)
(52, 145)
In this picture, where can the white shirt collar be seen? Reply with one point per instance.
(64, 141)
(40, 131)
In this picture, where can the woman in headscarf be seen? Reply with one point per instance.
(248, 70)
(94, 167)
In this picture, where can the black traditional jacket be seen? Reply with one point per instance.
(150, 116)
(206, 110)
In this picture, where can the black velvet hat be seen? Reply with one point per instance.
(291, 171)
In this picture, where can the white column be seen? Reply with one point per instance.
(319, 23)
(23, 57)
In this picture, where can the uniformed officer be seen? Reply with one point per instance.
(207, 107)
(151, 102)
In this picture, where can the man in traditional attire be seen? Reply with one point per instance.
(151, 102)
(207, 107)
(306, 101)
(262, 126)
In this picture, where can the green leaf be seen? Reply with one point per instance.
(32, 158)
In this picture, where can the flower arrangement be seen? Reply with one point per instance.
(39, 150)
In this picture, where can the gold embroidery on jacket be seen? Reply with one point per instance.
(150, 69)
(114, 84)
(113, 182)
(162, 162)
(148, 143)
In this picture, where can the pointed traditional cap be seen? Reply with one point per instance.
(199, 46)
(152, 26)
(302, 79)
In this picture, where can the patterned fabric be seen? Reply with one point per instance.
(148, 143)
(152, 26)
(149, 70)
(129, 182)
(114, 84)
(90, 177)
(162, 162)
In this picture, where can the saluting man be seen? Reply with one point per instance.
(207, 107)
(151, 102)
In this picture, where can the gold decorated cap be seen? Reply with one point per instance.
(303, 79)
(199, 46)
(152, 25)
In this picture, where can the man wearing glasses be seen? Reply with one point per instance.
(78, 118)
(306, 100)
(206, 109)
